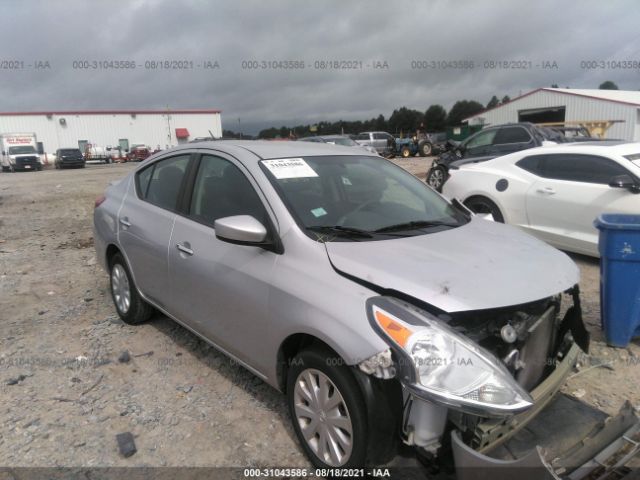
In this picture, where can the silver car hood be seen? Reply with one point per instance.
(476, 266)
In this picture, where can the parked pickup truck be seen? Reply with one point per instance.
(383, 142)
(491, 142)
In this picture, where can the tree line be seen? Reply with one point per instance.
(403, 120)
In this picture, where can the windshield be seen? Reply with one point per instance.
(70, 151)
(358, 198)
(342, 141)
(21, 149)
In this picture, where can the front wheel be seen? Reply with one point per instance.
(131, 308)
(436, 177)
(484, 207)
(405, 152)
(327, 409)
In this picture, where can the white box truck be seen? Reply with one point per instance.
(20, 152)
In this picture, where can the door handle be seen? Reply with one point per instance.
(546, 191)
(125, 222)
(184, 248)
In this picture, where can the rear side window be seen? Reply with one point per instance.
(582, 168)
(512, 135)
(531, 164)
(573, 167)
(160, 182)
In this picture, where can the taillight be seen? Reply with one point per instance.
(99, 201)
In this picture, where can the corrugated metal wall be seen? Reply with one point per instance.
(577, 109)
(105, 130)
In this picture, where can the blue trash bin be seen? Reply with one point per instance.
(619, 246)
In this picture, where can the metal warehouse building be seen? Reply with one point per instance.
(112, 128)
(551, 105)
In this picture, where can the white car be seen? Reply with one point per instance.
(553, 192)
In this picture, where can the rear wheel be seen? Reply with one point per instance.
(129, 305)
(327, 409)
(484, 207)
(425, 148)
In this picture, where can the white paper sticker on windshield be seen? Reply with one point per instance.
(637, 162)
(289, 168)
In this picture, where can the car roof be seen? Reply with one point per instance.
(606, 147)
(269, 149)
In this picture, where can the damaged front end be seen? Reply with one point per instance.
(474, 382)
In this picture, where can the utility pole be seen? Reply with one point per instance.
(168, 127)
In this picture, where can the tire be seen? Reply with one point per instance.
(484, 206)
(405, 152)
(131, 308)
(321, 367)
(436, 177)
(426, 149)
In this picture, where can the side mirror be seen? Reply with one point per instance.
(626, 182)
(240, 229)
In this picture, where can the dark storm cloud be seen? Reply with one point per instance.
(397, 33)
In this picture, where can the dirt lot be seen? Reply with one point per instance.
(65, 393)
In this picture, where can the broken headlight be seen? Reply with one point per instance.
(444, 366)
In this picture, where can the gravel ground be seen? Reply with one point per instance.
(67, 388)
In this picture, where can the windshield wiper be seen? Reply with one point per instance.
(414, 225)
(340, 230)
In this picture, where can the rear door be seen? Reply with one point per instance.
(218, 288)
(570, 192)
(145, 222)
(511, 139)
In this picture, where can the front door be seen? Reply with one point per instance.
(573, 191)
(221, 289)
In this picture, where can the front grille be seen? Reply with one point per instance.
(21, 161)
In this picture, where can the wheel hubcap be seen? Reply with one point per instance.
(120, 288)
(436, 178)
(323, 417)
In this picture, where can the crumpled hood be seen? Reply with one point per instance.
(480, 265)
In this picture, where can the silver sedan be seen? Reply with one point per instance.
(375, 304)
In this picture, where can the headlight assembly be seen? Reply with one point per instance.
(444, 366)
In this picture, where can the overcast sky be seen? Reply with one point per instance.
(230, 32)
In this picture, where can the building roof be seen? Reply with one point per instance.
(109, 112)
(626, 97)
(630, 97)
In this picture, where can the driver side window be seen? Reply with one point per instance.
(482, 139)
(222, 190)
